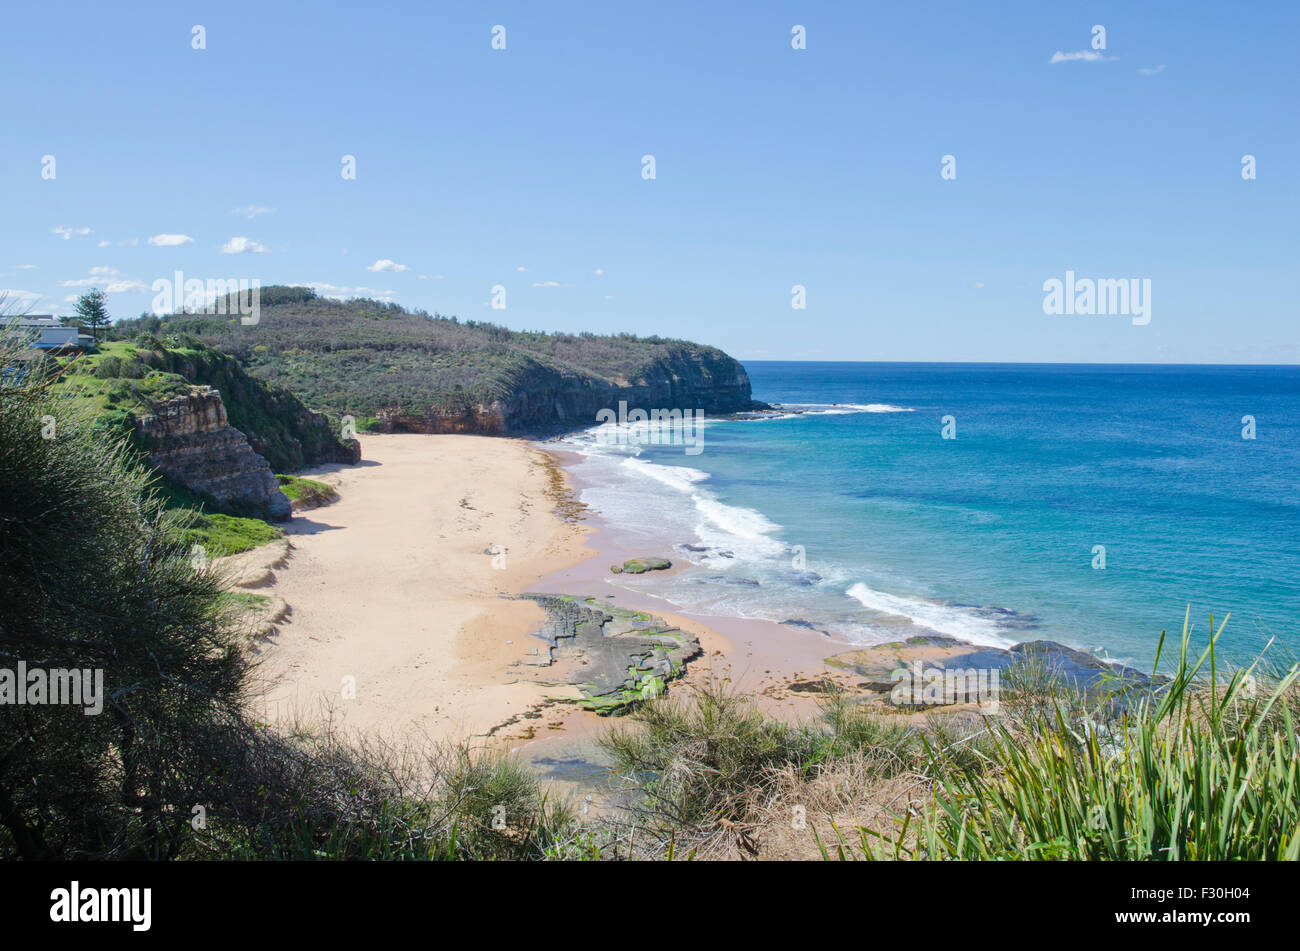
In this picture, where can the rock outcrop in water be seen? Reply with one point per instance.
(1041, 661)
(639, 566)
(190, 441)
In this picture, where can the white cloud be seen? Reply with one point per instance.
(599, 271)
(1086, 56)
(170, 240)
(251, 211)
(521, 269)
(979, 284)
(103, 244)
(384, 264)
(112, 280)
(242, 245)
(26, 297)
(609, 297)
(429, 277)
(26, 267)
(337, 292)
(65, 232)
(1152, 70)
(546, 284)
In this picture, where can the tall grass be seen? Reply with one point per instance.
(695, 758)
(706, 767)
(1195, 770)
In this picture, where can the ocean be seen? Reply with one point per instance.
(1090, 505)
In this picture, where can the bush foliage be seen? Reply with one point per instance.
(360, 356)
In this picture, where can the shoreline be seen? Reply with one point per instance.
(393, 585)
(758, 656)
(404, 609)
(782, 664)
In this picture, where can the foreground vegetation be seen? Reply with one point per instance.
(1201, 769)
(1202, 766)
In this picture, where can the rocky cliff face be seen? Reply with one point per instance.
(279, 426)
(189, 440)
(544, 398)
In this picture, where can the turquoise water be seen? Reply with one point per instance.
(857, 518)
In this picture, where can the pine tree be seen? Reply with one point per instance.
(92, 310)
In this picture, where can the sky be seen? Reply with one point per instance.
(774, 168)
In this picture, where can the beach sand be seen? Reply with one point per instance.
(396, 586)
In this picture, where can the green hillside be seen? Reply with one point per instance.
(125, 380)
(365, 358)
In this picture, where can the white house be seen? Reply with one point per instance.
(47, 333)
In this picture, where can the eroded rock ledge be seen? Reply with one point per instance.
(614, 657)
(190, 441)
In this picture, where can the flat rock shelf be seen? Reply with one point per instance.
(613, 656)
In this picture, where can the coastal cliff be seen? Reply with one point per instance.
(543, 397)
(395, 370)
(209, 427)
(190, 441)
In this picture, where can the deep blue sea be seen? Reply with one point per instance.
(858, 518)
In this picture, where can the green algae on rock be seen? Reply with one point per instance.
(637, 566)
(615, 657)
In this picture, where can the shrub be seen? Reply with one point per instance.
(99, 580)
(697, 757)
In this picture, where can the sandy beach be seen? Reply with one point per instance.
(402, 612)
(405, 585)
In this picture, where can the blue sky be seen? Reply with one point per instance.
(774, 167)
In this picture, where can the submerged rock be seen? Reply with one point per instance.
(807, 625)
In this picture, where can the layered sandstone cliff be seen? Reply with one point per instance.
(547, 398)
(190, 441)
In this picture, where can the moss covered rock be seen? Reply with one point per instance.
(637, 566)
(615, 657)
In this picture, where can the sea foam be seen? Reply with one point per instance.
(955, 621)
